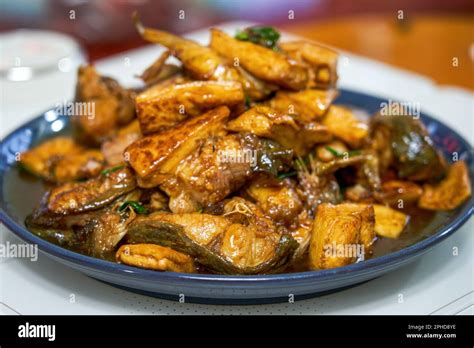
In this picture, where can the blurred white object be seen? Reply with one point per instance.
(36, 66)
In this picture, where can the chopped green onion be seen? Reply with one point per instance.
(111, 170)
(282, 176)
(343, 154)
(137, 206)
(263, 36)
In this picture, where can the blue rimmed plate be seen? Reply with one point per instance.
(18, 197)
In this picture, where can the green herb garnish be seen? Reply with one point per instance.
(282, 176)
(111, 170)
(343, 154)
(137, 206)
(263, 36)
(247, 102)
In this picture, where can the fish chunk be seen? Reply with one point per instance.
(264, 63)
(451, 192)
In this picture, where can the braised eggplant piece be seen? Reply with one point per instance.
(237, 163)
(412, 150)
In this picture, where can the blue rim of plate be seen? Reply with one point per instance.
(353, 270)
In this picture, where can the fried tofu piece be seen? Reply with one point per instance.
(451, 192)
(343, 124)
(264, 63)
(155, 157)
(41, 159)
(162, 107)
(389, 222)
(156, 257)
(86, 164)
(113, 106)
(306, 106)
(267, 123)
(322, 60)
(339, 235)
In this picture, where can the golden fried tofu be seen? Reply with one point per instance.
(113, 106)
(389, 222)
(261, 62)
(343, 124)
(83, 165)
(339, 235)
(40, 160)
(322, 60)
(155, 257)
(451, 192)
(155, 157)
(306, 106)
(267, 123)
(162, 107)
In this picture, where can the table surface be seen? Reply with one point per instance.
(424, 43)
(440, 282)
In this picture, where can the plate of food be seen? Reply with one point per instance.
(240, 175)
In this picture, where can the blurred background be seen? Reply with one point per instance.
(433, 38)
